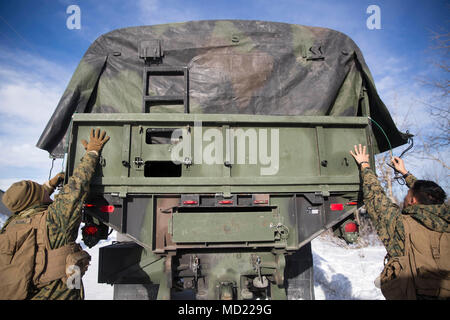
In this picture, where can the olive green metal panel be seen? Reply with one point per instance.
(194, 227)
(169, 119)
(312, 153)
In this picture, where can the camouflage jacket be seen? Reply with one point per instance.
(386, 215)
(63, 222)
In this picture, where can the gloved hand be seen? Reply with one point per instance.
(51, 185)
(56, 180)
(96, 142)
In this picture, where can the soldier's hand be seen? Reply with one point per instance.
(96, 142)
(56, 180)
(399, 165)
(361, 157)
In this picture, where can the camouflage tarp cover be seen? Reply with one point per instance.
(235, 66)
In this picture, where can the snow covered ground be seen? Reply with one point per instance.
(346, 272)
(341, 272)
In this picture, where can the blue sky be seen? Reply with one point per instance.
(38, 54)
(40, 26)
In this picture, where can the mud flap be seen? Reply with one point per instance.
(299, 276)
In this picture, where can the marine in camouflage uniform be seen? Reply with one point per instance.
(387, 216)
(64, 216)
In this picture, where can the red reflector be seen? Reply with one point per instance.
(351, 227)
(190, 202)
(352, 203)
(90, 230)
(336, 206)
(88, 205)
(261, 201)
(226, 201)
(107, 209)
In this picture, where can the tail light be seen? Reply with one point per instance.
(352, 203)
(226, 202)
(351, 227)
(190, 202)
(336, 207)
(104, 209)
(90, 230)
(107, 209)
(92, 233)
(262, 201)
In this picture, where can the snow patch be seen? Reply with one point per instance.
(341, 272)
(92, 289)
(346, 273)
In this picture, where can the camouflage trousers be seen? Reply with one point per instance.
(57, 290)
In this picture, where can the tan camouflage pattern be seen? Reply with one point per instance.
(63, 222)
(27, 213)
(387, 216)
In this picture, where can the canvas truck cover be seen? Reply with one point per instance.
(234, 66)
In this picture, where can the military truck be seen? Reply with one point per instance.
(229, 153)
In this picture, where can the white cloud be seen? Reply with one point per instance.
(31, 102)
(6, 183)
(22, 155)
(396, 80)
(160, 12)
(28, 97)
(26, 66)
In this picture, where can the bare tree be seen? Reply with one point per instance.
(385, 175)
(434, 144)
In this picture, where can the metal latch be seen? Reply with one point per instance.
(151, 49)
(315, 53)
(138, 162)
